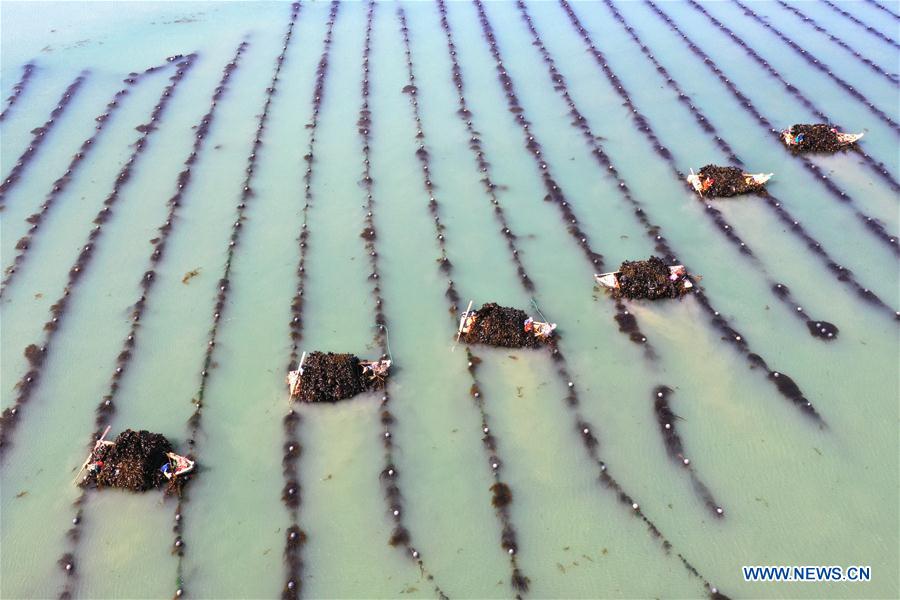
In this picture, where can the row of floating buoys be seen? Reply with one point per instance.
(553, 188)
(728, 180)
(106, 407)
(28, 70)
(39, 135)
(866, 26)
(501, 492)
(811, 60)
(291, 493)
(856, 53)
(389, 476)
(60, 185)
(874, 226)
(842, 274)
(28, 383)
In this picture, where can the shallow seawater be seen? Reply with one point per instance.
(794, 492)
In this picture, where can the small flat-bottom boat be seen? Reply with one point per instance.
(844, 139)
(541, 330)
(611, 280)
(374, 370)
(701, 185)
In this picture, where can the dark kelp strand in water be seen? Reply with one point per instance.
(61, 184)
(106, 407)
(842, 274)
(508, 538)
(18, 89)
(39, 136)
(12, 415)
(244, 196)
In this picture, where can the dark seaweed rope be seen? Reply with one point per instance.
(27, 384)
(106, 407)
(18, 89)
(584, 429)
(62, 182)
(815, 25)
(675, 447)
(589, 440)
(626, 321)
(818, 328)
(873, 225)
(881, 7)
(867, 27)
(193, 424)
(465, 115)
(794, 226)
(878, 168)
(291, 494)
(38, 136)
(814, 62)
(559, 84)
(785, 385)
(388, 475)
(502, 494)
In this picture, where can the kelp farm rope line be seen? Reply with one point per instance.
(246, 194)
(584, 429)
(811, 60)
(291, 495)
(675, 448)
(560, 85)
(18, 89)
(883, 8)
(873, 225)
(784, 384)
(62, 182)
(106, 407)
(502, 494)
(28, 383)
(841, 273)
(39, 135)
(893, 79)
(389, 477)
(859, 22)
(818, 328)
(626, 321)
(466, 115)
(879, 168)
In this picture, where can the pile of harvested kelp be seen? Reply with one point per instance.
(649, 279)
(727, 181)
(817, 137)
(133, 462)
(329, 377)
(497, 325)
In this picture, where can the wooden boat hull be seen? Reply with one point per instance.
(844, 139)
(756, 178)
(611, 280)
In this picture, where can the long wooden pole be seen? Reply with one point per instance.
(88, 459)
(462, 323)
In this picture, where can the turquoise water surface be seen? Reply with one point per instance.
(794, 491)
